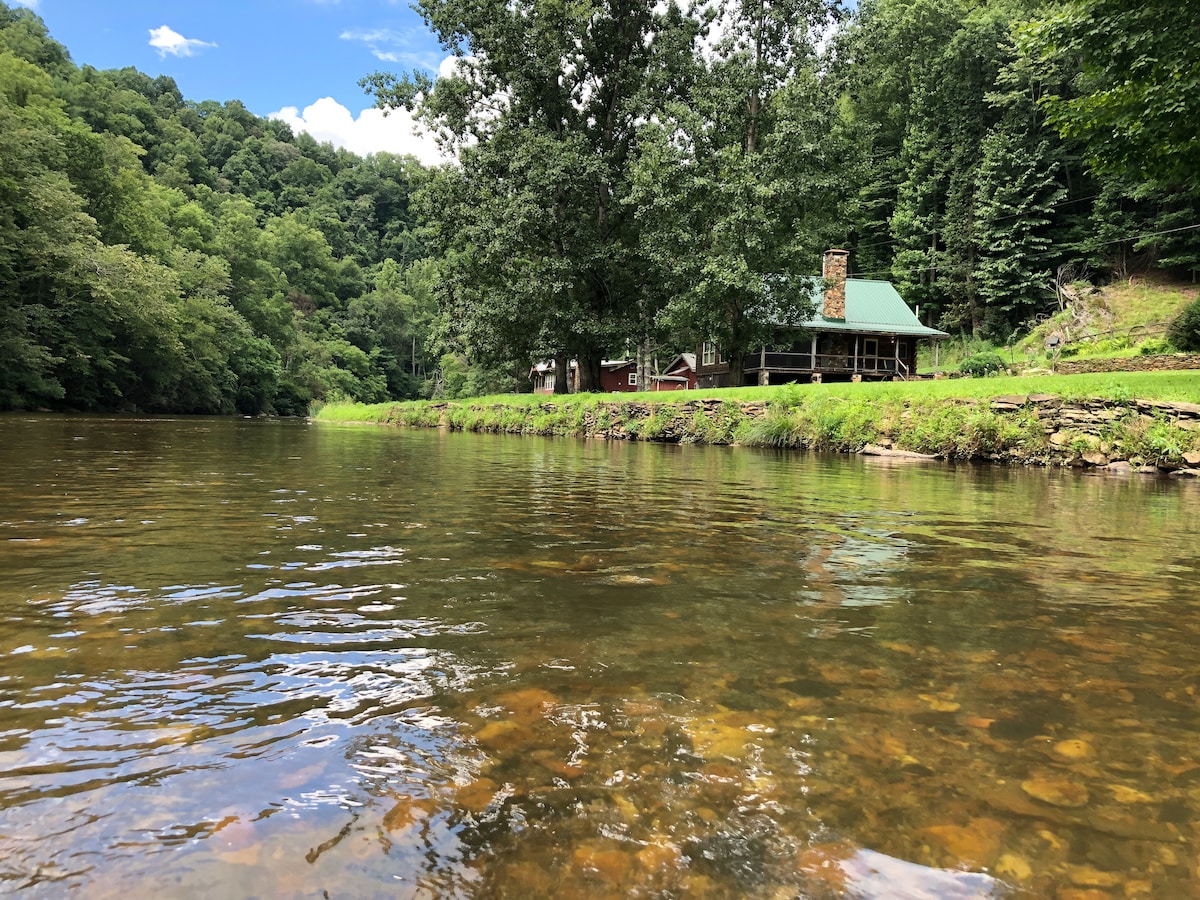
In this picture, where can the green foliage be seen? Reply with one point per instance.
(734, 189)
(164, 255)
(538, 248)
(1016, 191)
(661, 418)
(1156, 441)
(1117, 390)
(1155, 346)
(1184, 330)
(1137, 94)
(981, 365)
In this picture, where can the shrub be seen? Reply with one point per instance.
(1155, 346)
(789, 396)
(1184, 330)
(981, 365)
(772, 430)
(1158, 441)
(932, 428)
(656, 425)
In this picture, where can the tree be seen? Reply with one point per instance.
(539, 250)
(742, 181)
(159, 254)
(1017, 190)
(1136, 99)
(1184, 330)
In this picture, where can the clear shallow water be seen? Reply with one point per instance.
(255, 658)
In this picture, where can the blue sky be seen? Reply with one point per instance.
(300, 59)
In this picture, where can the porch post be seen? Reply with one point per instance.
(856, 353)
(814, 352)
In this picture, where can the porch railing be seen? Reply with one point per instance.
(825, 362)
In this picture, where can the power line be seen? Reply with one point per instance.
(998, 219)
(1139, 237)
(956, 266)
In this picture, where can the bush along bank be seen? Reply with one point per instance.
(1041, 429)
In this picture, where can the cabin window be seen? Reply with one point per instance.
(633, 379)
(870, 347)
(902, 350)
(708, 354)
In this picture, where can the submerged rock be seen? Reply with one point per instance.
(1074, 750)
(975, 845)
(1016, 729)
(1056, 791)
(810, 687)
(1014, 867)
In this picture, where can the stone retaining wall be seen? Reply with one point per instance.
(1159, 363)
(1079, 432)
(1096, 433)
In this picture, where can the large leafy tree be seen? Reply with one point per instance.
(540, 250)
(1136, 99)
(743, 185)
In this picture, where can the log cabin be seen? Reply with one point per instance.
(860, 330)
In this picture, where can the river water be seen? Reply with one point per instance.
(273, 658)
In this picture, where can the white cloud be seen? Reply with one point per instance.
(32, 4)
(370, 132)
(388, 45)
(166, 40)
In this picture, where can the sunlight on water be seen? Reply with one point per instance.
(254, 658)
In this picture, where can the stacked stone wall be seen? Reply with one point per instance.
(1156, 363)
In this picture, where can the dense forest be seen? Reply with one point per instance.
(630, 176)
(163, 255)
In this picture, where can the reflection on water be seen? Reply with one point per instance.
(251, 658)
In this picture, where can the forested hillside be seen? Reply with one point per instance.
(164, 255)
(631, 177)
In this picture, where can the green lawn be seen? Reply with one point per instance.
(1172, 386)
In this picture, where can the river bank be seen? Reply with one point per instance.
(1110, 430)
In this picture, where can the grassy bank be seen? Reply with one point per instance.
(1167, 386)
(1124, 318)
(1036, 419)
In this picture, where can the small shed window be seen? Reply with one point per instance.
(633, 379)
(708, 354)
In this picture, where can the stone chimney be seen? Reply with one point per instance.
(834, 272)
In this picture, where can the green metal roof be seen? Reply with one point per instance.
(870, 306)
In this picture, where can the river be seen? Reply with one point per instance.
(272, 658)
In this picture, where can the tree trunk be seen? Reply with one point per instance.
(562, 373)
(589, 372)
(645, 365)
(737, 368)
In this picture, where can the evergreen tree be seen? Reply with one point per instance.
(1017, 192)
